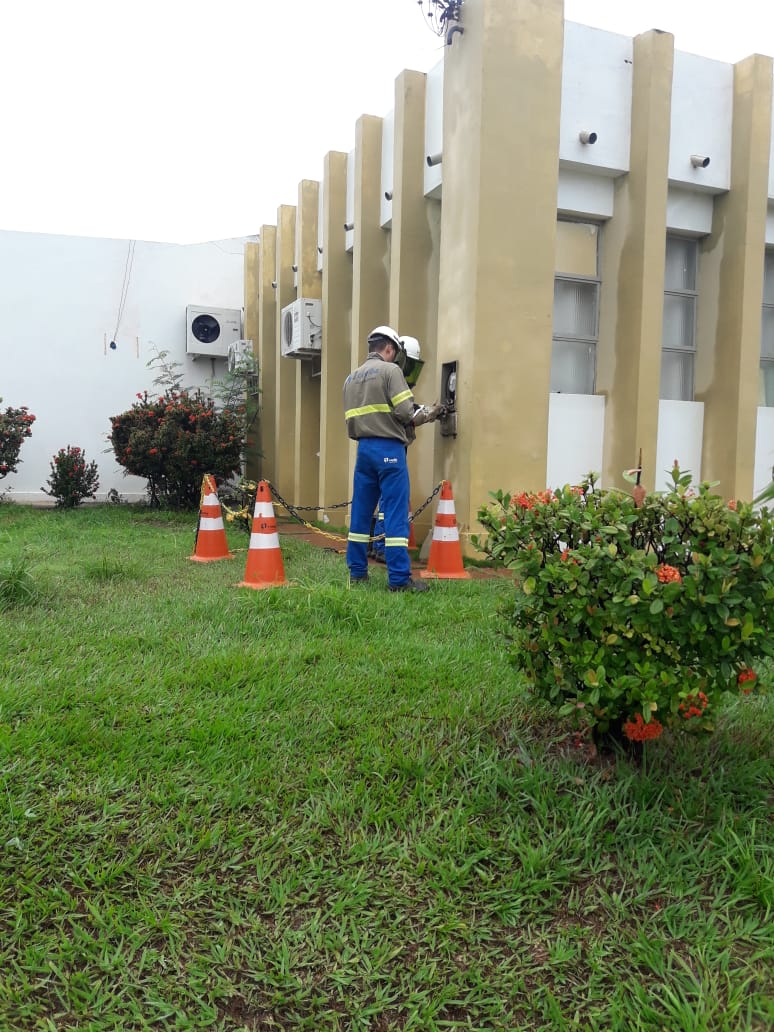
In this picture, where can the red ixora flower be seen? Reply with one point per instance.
(747, 677)
(636, 730)
(668, 574)
(693, 705)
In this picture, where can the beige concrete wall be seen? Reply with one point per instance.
(285, 374)
(263, 463)
(306, 461)
(252, 294)
(502, 94)
(731, 290)
(335, 484)
(414, 266)
(371, 247)
(632, 293)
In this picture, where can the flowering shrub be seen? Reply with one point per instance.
(72, 479)
(633, 617)
(15, 427)
(173, 440)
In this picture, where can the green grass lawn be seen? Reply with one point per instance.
(315, 808)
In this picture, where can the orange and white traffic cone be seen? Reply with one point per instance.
(264, 559)
(445, 558)
(211, 541)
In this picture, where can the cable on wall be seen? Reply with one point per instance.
(124, 290)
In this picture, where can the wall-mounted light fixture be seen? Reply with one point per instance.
(435, 159)
(587, 136)
(699, 160)
(349, 226)
(388, 195)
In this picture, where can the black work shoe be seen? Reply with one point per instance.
(358, 580)
(411, 585)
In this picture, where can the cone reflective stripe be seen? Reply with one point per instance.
(211, 541)
(264, 568)
(445, 558)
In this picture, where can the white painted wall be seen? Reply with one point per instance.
(764, 451)
(702, 108)
(576, 430)
(59, 300)
(388, 160)
(434, 129)
(680, 429)
(349, 234)
(596, 97)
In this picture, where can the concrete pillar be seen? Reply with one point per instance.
(263, 463)
(502, 98)
(252, 296)
(285, 374)
(335, 483)
(633, 249)
(306, 463)
(414, 257)
(731, 290)
(371, 247)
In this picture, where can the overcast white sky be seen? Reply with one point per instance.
(187, 120)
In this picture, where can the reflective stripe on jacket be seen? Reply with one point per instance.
(378, 402)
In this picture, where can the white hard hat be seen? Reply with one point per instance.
(411, 347)
(385, 333)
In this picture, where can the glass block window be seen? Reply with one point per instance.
(576, 308)
(678, 342)
(766, 383)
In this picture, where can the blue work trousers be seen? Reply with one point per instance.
(381, 472)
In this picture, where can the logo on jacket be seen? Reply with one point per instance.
(391, 461)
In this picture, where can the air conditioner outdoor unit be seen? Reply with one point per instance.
(240, 356)
(209, 331)
(301, 328)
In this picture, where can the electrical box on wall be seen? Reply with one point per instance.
(210, 331)
(301, 328)
(448, 399)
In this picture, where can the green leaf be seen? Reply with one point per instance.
(529, 585)
(656, 606)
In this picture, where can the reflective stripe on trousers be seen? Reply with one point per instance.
(381, 472)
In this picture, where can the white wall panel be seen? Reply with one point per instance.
(702, 109)
(349, 234)
(680, 429)
(764, 450)
(689, 211)
(597, 97)
(388, 159)
(434, 129)
(576, 431)
(582, 194)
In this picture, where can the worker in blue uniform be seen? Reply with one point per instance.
(381, 416)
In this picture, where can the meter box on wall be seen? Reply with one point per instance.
(210, 331)
(301, 328)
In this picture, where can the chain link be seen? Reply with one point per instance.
(293, 511)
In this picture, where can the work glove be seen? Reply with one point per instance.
(428, 413)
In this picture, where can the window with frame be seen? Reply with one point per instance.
(766, 381)
(678, 342)
(576, 308)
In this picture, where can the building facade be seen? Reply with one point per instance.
(579, 228)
